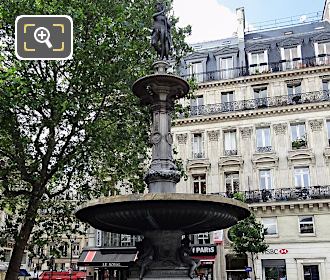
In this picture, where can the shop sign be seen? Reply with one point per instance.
(276, 251)
(204, 250)
(218, 237)
(110, 264)
(248, 268)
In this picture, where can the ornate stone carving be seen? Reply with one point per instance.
(246, 132)
(213, 135)
(169, 138)
(280, 128)
(316, 125)
(182, 138)
(155, 138)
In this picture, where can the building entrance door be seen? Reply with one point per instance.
(311, 272)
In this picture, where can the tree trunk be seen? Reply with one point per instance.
(22, 239)
(253, 267)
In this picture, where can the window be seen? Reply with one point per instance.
(258, 62)
(230, 143)
(326, 87)
(265, 179)
(311, 272)
(263, 140)
(199, 183)
(75, 249)
(301, 177)
(227, 99)
(198, 145)
(294, 92)
(196, 71)
(298, 136)
(328, 130)
(196, 106)
(306, 224)
(270, 226)
(260, 96)
(203, 238)
(291, 58)
(226, 68)
(232, 183)
(322, 51)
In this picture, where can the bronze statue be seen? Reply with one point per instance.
(184, 255)
(145, 255)
(161, 38)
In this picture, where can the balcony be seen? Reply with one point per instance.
(197, 155)
(257, 103)
(263, 68)
(283, 194)
(230, 152)
(266, 149)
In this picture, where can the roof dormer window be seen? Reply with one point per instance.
(291, 58)
(258, 62)
(322, 52)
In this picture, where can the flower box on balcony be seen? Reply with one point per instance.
(299, 143)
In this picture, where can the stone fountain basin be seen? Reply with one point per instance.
(139, 213)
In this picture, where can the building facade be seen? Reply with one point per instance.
(260, 125)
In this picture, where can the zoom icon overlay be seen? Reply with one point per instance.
(43, 37)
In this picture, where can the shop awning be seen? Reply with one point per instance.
(107, 257)
(23, 272)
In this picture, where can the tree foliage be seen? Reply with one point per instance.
(248, 237)
(72, 130)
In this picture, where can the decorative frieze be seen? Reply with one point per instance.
(316, 125)
(182, 138)
(246, 132)
(213, 135)
(280, 128)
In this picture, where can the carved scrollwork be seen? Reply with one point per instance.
(316, 125)
(213, 135)
(182, 138)
(280, 128)
(246, 132)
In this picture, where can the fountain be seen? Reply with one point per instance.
(162, 216)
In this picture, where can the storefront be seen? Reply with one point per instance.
(108, 263)
(206, 254)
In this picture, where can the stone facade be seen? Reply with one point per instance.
(265, 132)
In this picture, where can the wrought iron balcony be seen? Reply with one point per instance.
(283, 194)
(265, 149)
(198, 155)
(262, 68)
(230, 152)
(257, 103)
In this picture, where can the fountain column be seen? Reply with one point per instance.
(160, 91)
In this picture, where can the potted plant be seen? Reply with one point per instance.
(299, 143)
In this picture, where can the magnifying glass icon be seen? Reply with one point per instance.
(41, 35)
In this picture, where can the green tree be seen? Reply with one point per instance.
(72, 130)
(248, 238)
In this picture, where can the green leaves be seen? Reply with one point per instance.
(248, 236)
(72, 130)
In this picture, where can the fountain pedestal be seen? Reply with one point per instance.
(162, 216)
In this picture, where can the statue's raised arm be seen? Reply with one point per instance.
(161, 38)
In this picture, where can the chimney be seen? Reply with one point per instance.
(326, 11)
(240, 15)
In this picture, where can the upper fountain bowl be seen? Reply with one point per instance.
(138, 213)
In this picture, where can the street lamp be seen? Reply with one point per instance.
(51, 264)
(72, 241)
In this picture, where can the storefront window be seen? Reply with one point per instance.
(311, 272)
(235, 267)
(274, 269)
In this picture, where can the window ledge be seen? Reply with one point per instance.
(307, 235)
(272, 236)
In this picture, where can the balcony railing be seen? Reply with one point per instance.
(265, 149)
(257, 103)
(196, 155)
(283, 194)
(262, 68)
(230, 152)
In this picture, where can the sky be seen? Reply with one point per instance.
(215, 19)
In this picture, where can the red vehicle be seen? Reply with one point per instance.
(63, 275)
